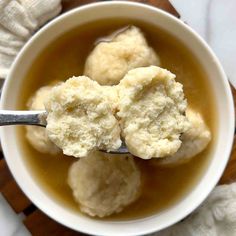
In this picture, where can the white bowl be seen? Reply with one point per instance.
(217, 79)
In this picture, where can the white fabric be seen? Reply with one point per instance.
(216, 216)
(18, 21)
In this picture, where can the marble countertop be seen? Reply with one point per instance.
(215, 21)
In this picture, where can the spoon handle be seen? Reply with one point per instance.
(38, 118)
(8, 117)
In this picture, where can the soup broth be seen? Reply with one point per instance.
(64, 58)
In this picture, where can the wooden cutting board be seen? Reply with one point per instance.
(36, 221)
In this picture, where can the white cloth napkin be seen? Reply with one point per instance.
(216, 216)
(19, 19)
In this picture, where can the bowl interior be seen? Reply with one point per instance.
(220, 88)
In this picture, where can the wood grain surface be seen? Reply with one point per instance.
(36, 221)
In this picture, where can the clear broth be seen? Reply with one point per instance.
(65, 57)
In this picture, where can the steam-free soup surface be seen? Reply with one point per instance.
(65, 57)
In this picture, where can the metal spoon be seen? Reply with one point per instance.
(37, 118)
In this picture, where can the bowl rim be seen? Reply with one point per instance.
(60, 18)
